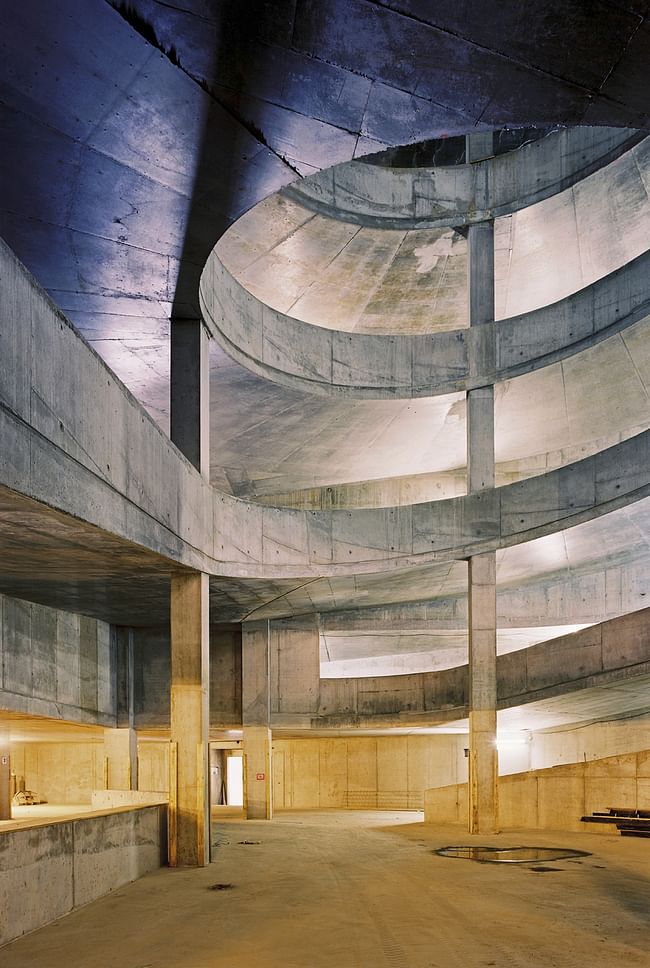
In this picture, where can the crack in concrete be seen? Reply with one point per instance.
(617, 62)
(299, 114)
(508, 58)
(315, 283)
(184, 10)
(145, 29)
(148, 33)
(69, 434)
(283, 595)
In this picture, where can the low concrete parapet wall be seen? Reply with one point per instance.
(52, 868)
(108, 799)
(555, 798)
(446, 804)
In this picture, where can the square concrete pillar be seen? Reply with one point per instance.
(483, 758)
(190, 391)
(480, 272)
(480, 439)
(190, 650)
(256, 720)
(480, 401)
(258, 767)
(5, 775)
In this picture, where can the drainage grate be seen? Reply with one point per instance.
(510, 855)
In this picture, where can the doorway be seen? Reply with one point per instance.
(234, 779)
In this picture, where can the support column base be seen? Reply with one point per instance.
(483, 789)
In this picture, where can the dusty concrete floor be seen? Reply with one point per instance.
(363, 890)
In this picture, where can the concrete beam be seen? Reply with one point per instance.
(189, 797)
(592, 661)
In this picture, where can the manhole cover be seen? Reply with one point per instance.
(510, 855)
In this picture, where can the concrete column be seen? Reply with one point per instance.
(121, 753)
(483, 763)
(480, 401)
(189, 801)
(480, 439)
(121, 744)
(190, 391)
(478, 146)
(256, 719)
(5, 775)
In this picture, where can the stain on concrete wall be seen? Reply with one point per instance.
(55, 663)
(152, 671)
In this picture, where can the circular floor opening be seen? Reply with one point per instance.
(511, 855)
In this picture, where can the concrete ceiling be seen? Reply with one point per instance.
(135, 134)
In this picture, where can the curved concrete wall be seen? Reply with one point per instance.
(601, 655)
(108, 465)
(378, 366)
(435, 197)
(554, 798)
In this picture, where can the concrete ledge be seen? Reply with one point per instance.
(375, 366)
(109, 799)
(51, 868)
(603, 655)
(249, 540)
(448, 196)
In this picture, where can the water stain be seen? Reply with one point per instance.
(511, 855)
